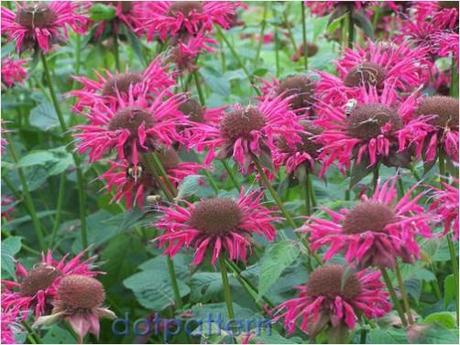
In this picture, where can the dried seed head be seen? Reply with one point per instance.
(131, 118)
(368, 216)
(239, 123)
(365, 121)
(446, 109)
(186, 7)
(121, 82)
(39, 278)
(192, 109)
(169, 158)
(80, 292)
(332, 281)
(36, 15)
(299, 86)
(367, 73)
(216, 216)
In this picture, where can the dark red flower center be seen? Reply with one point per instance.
(367, 73)
(332, 281)
(368, 216)
(192, 109)
(131, 118)
(121, 82)
(126, 6)
(36, 15)
(446, 109)
(216, 216)
(300, 87)
(82, 292)
(169, 158)
(186, 7)
(39, 278)
(240, 123)
(448, 4)
(366, 121)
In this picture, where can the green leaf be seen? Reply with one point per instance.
(102, 12)
(276, 258)
(36, 158)
(136, 44)
(335, 20)
(444, 318)
(362, 21)
(55, 161)
(10, 247)
(205, 286)
(387, 336)
(44, 116)
(217, 83)
(359, 171)
(449, 289)
(194, 185)
(58, 335)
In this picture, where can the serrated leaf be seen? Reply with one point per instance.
(276, 258)
(387, 336)
(10, 247)
(194, 185)
(205, 286)
(36, 158)
(217, 83)
(44, 116)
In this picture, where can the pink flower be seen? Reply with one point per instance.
(13, 71)
(108, 88)
(433, 126)
(243, 132)
(216, 225)
(299, 89)
(79, 300)
(8, 206)
(363, 128)
(443, 14)
(41, 24)
(133, 184)
(398, 65)
(376, 231)
(10, 327)
(37, 286)
(128, 13)
(334, 298)
(445, 205)
(306, 152)
(136, 126)
(176, 18)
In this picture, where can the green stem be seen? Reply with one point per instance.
(211, 181)
(27, 197)
(163, 173)
(454, 263)
(311, 189)
(414, 172)
(31, 335)
(57, 220)
(261, 35)
(288, 26)
(175, 286)
(277, 53)
(76, 158)
(116, 52)
(306, 194)
(454, 79)
(280, 205)
(304, 36)
(231, 175)
(198, 87)
(394, 298)
(238, 59)
(375, 178)
(351, 28)
(404, 295)
(400, 186)
(227, 291)
(442, 166)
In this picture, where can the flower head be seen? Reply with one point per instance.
(136, 126)
(443, 14)
(218, 226)
(10, 326)
(79, 300)
(365, 128)
(35, 287)
(433, 126)
(133, 184)
(445, 205)
(374, 232)
(245, 131)
(41, 24)
(106, 89)
(13, 71)
(179, 18)
(335, 297)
